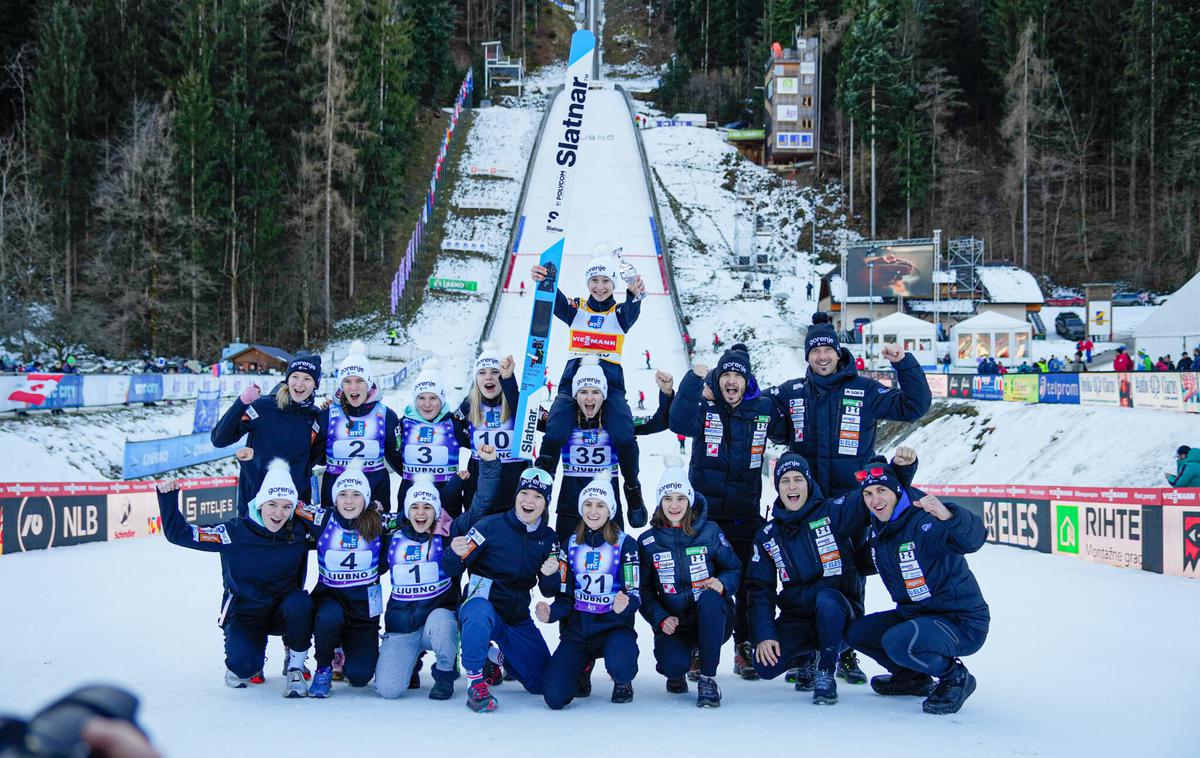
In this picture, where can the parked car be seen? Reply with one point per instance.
(1126, 298)
(1069, 326)
(1073, 301)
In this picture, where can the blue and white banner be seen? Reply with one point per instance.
(150, 457)
(987, 387)
(208, 408)
(145, 388)
(1058, 388)
(68, 394)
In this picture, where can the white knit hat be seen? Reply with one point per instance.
(603, 265)
(352, 480)
(489, 357)
(276, 485)
(423, 490)
(599, 488)
(590, 375)
(430, 380)
(674, 479)
(355, 364)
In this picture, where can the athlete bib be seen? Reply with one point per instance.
(417, 568)
(494, 432)
(597, 573)
(430, 447)
(345, 559)
(350, 437)
(589, 452)
(596, 333)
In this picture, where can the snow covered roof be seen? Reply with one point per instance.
(943, 306)
(902, 323)
(1178, 317)
(992, 321)
(837, 287)
(1009, 284)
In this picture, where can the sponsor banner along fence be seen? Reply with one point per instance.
(42, 515)
(1162, 390)
(94, 390)
(1154, 529)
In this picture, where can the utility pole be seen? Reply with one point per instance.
(871, 297)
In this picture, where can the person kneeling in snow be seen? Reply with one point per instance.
(506, 555)
(262, 566)
(689, 573)
(598, 597)
(940, 612)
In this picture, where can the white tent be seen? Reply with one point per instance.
(912, 334)
(990, 334)
(1175, 326)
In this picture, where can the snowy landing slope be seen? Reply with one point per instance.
(1065, 671)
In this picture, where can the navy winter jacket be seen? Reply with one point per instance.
(273, 433)
(505, 557)
(581, 625)
(673, 564)
(806, 550)
(920, 560)
(258, 567)
(830, 420)
(729, 444)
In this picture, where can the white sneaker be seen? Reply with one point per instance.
(235, 681)
(295, 685)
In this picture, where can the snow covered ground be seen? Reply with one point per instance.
(1066, 670)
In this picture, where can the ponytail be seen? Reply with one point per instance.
(370, 524)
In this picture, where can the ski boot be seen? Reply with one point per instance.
(847, 668)
(708, 694)
(824, 688)
(322, 683)
(906, 682)
(743, 661)
(635, 505)
(951, 692)
(623, 693)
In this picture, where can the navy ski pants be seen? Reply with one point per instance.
(927, 644)
(524, 648)
(799, 639)
(618, 648)
(246, 632)
(707, 631)
(358, 639)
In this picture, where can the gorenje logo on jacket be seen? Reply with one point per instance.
(910, 570)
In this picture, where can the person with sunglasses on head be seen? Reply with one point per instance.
(689, 572)
(598, 598)
(830, 416)
(802, 565)
(729, 421)
(920, 544)
(506, 555)
(262, 570)
(279, 425)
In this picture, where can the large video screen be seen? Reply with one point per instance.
(897, 270)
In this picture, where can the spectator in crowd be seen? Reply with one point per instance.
(1161, 364)
(1187, 467)
(1185, 362)
(1122, 362)
(1077, 365)
(945, 363)
(1055, 365)
(767, 285)
(808, 290)
(1144, 362)
(1086, 346)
